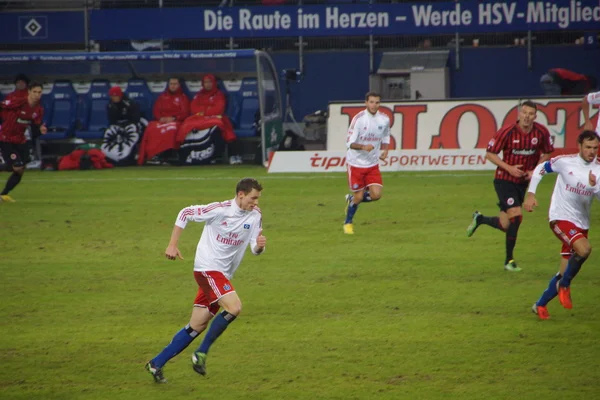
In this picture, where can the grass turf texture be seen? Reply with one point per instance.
(407, 308)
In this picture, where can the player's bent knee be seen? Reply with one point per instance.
(19, 170)
(235, 310)
(514, 212)
(198, 326)
(584, 251)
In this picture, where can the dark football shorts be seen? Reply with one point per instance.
(14, 155)
(510, 194)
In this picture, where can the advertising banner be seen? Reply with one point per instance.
(347, 19)
(458, 124)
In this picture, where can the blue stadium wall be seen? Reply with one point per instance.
(484, 72)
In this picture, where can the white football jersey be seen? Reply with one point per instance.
(367, 128)
(227, 232)
(594, 98)
(572, 196)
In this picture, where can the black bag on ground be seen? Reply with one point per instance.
(199, 147)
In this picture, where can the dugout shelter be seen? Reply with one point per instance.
(76, 87)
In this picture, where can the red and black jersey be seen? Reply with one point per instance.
(18, 115)
(520, 148)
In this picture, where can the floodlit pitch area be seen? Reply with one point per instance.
(407, 308)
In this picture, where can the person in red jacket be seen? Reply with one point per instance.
(170, 109)
(208, 109)
(20, 114)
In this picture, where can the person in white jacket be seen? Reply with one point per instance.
(230, 226)
(569, 214)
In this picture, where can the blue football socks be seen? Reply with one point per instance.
(366, 197)
(217, 327)
(549, 293)
(573, 267)
(181, 340)
(351, 211)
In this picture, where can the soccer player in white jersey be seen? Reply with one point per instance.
(575, 188)
(591, 98)
(230, 226)
(367, 143)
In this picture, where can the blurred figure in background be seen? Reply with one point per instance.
(123, 134)
(170, 109)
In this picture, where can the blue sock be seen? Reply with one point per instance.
(181, 340)
(351, 211)
(549, 293)
(573, 267)
(366, 197)
(217, 327)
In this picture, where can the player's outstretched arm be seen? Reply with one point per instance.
(172, 252)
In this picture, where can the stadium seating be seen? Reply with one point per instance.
(83, 115)
(248, 106)
(139, 92)
(93, 116)
(60, 111)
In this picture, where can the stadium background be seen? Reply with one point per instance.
(407, 308)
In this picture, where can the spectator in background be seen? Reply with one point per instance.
(170, 109)
(208, 110)
(560, 81)
(124, 131)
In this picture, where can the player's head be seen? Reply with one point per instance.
(174, 85)
(209, 82)
(527, 114)
(588, 145)
(116, 94)
(372, 101)
(34, 92)
(21, 82)
(247, 193)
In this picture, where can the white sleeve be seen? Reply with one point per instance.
(353, 131)
(199, 213)
(254, 234)
(593, 98)
(537, 175)
(386, 132)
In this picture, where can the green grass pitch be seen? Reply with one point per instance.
(407, 308)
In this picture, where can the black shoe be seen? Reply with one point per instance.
(156, 373)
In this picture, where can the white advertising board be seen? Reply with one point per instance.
(436, 135)
(458, 124)
(410, 160)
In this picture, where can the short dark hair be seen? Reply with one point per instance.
(22, 77)
(247, 184)
(529, 103)
(371, 94)
(587, 135)
(35, 84)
